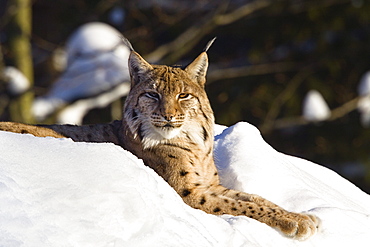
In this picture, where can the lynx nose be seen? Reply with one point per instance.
(168, 117)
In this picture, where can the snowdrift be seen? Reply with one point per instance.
(54, 192)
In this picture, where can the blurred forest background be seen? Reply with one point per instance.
(268, 55)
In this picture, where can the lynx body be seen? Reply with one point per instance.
(168, 122)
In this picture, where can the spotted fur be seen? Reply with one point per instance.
(168, 122)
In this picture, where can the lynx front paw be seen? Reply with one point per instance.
(298, 226)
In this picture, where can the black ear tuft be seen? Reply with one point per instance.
(209, 44)
(127, 43)
(197, 70)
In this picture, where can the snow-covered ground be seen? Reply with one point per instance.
(54, 192)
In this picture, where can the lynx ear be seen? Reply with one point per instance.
(138, 68)
(197, 70)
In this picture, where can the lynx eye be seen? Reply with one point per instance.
(183, 96)
(152, 95)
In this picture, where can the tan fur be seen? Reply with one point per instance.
(29, 129)
(168, 122)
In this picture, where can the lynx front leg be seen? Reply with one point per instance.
(291, 224)
(285, 218)
(219, 200)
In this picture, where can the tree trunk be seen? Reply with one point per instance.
(20, 49)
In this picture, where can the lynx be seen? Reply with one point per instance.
(168, 122)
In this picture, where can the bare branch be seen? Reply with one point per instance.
(282, 98)
(336, 113)
(258, 69)
(241, 12)
(187, 40)
(344, 109)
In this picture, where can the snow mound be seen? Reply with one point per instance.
(17, 81)
(364, 85)
(363, 104)
(315, 108)
(96, 64)
(55, 192)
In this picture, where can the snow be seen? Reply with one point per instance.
(315, 108)
(364, 85)
(17, 81)
(74, 114)
(97, 62)
(92, 38)
(363, 104)
(55, 192)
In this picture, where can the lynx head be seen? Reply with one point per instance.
(166, 103)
